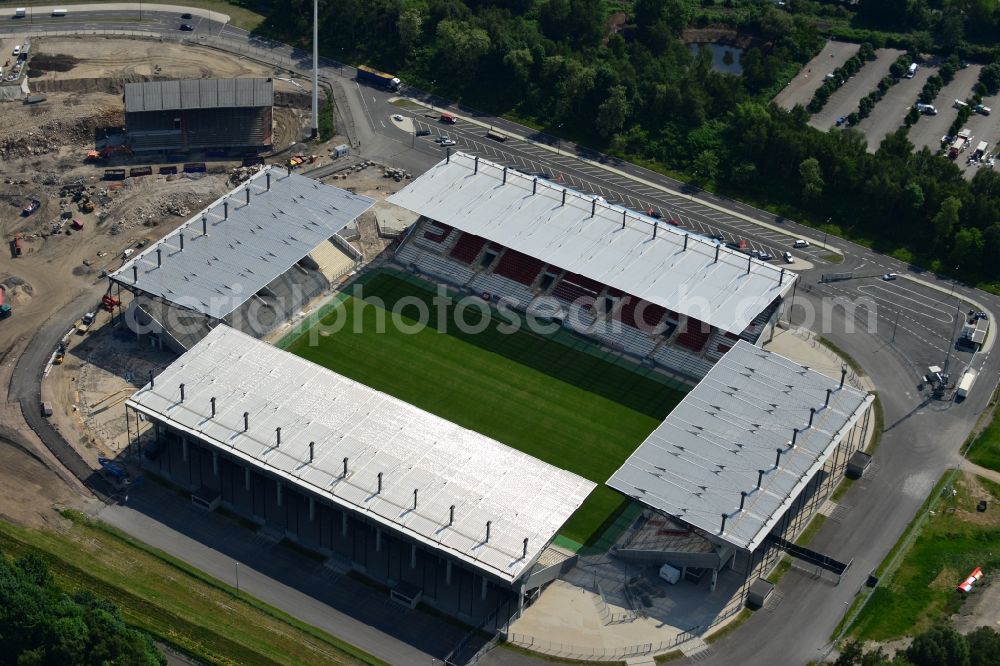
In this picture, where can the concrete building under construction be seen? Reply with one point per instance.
(204, 115)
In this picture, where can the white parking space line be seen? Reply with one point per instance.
(916, 307)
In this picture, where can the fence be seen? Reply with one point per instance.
(609, 616)
(565, 651)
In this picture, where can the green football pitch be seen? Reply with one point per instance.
(556, 397)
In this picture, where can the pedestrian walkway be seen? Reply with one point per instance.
(979, 470)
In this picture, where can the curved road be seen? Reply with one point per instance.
(921, 439)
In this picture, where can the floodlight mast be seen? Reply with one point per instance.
(315, 82)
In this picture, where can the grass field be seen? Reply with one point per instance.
(952, 542)
(568, 406)
(985, 449)
(173, 602)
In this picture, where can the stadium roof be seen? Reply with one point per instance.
(706, 281)
(245, 249)
(198, 94)
(727, 429)
(523, 497)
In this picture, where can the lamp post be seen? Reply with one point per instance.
(237, 576)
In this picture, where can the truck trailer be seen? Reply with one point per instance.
(378, 78)
(965, 383)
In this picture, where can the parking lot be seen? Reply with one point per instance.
(889, 114)
(984, 128)
(918, 322)
(845, 100)
(929, 129)
(801, 89)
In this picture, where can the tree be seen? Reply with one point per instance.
(812, 178)
(946, 219)
(990, 78)
(984, 647)
(939, 646)
(913, 195)
(410, 25)
(705, 166)
(461, 45)
(613, 112)
(968, 249)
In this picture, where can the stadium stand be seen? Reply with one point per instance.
(496, 286)
(467, 248)
(693, 334)
(573, 286)
(519, 267)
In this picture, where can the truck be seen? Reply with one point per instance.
(965, 383)
(20, 12)
(983, 110)
(960, 143)
(911, 71)
(378, 78)
(448, 118)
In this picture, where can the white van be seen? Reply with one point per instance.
(20, 12)
(801, 243)
(59, 12)
(670, 574)
(912, 71)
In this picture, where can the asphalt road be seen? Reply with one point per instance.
(922, 438)
(890, 112)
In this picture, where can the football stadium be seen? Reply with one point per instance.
(527, 375)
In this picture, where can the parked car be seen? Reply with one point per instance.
(800, 242)
(398, 117)
(423, 132)
(187, 27)
(185, 16)
(448, 142)
(789, 259)
(765, 256)
(888, 277)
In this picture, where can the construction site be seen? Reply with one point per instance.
(69, 220)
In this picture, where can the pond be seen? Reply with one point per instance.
(725, 58)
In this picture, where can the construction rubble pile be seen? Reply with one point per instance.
(243, 173)
(48, 138)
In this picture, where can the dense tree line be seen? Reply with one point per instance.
(938, 646)
(41, 624)
(643, 94)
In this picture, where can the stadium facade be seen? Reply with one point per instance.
(226, 115)
(741, 465)
(439, 513)
(444, 515)
(247, 260)
(661, 295)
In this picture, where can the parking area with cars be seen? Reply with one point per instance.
(845, 100)
(930, 128)
(890, 112)
(801, 89)
(984, 126)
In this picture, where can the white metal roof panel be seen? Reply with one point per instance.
(683, 272)
(727, 430)
(216, 273)
(523, 497)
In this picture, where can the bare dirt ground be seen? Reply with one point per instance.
(805, 84)
(122, 61)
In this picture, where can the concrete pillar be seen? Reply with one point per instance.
(483, 590)
(279, 487)
(413, 556)
(184, 448)
(215, 463)
(520, 600)
(378, 540)
(715, 579)
(447, 572)
(246, 479)
(343, 523)
(312, 508)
